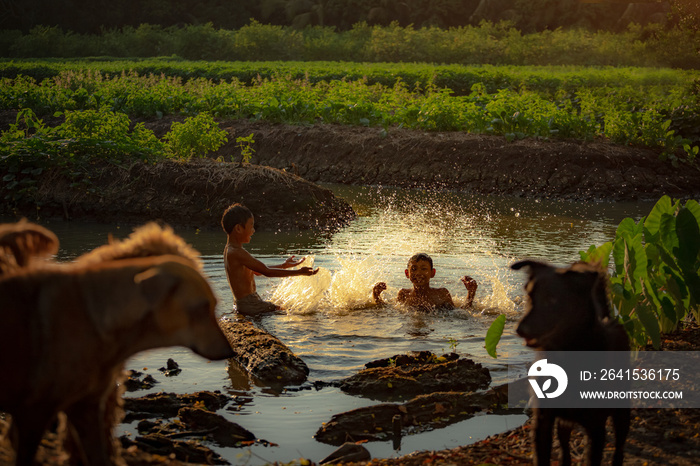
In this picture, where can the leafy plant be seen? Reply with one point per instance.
(493, 335)
(655, 280)
(691, 152)
(654, 108)
(453, 344)
(195, 137)
(29, 148)
(487, 43)
(245, 144)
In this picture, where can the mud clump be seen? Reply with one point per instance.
(417, 373)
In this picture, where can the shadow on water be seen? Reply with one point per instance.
(330, 324)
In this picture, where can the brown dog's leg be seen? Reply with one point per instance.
(87, 416)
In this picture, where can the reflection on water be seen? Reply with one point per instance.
(328, 321)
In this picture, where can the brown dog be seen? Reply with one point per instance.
(567, 310)
(66, 330)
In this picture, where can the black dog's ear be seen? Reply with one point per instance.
(534, 265)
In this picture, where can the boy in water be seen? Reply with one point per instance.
(419, 271)
(241, 267)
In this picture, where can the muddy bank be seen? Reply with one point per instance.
(465, 162)
(194, 194)
(279, 186)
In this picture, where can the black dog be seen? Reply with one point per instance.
(567, 310)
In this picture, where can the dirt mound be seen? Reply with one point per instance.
(465, 162)
(192, 193)
(278, 185)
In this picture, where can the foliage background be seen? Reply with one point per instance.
(92, 16)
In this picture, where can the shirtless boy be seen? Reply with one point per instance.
(241, 267)
(419, 271)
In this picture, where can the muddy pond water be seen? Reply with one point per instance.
(329, 327)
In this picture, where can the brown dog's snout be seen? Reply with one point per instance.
(220, 349)
(211, 342)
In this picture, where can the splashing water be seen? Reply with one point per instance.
(498, 302)
(352, 284)
(381, 245)
(302, 294)
(345, 289)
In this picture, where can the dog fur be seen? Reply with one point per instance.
(567, 310)
(22, 243)
(146, 241)
(66, 330)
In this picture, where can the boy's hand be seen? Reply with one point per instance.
(291, 262)
(308, 271)
(377, 291)
(379, 287)
(469, 283)
(471, 286)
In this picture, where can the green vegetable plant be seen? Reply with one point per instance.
(513, 102)
(245, 144)
(29, 148)
(655, 281)
(197, 136)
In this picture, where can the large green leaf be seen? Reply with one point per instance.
(656, 280)
(694, 208)
(627, 233)
(599, 254)
(667, 258)
(653, 220)
(676, 289)
(635, 261)
(667, 233)
(650, 321)
(493, 335)
(627, 227)
(688, 234)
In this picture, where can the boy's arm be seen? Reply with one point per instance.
(377, 291)
(471, 286)
(446, 298)
(289, 263)
(403, 295)
(245, 259)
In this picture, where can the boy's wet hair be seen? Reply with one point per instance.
(421, 256)
(235, 214)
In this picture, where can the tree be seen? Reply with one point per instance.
(685, 14)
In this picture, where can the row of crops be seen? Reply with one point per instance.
(657, 108)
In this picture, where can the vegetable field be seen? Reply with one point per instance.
(657, 108)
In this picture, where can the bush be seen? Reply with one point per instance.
(195, 137)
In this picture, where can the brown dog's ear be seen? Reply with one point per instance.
(23, 241)
(156, 284)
